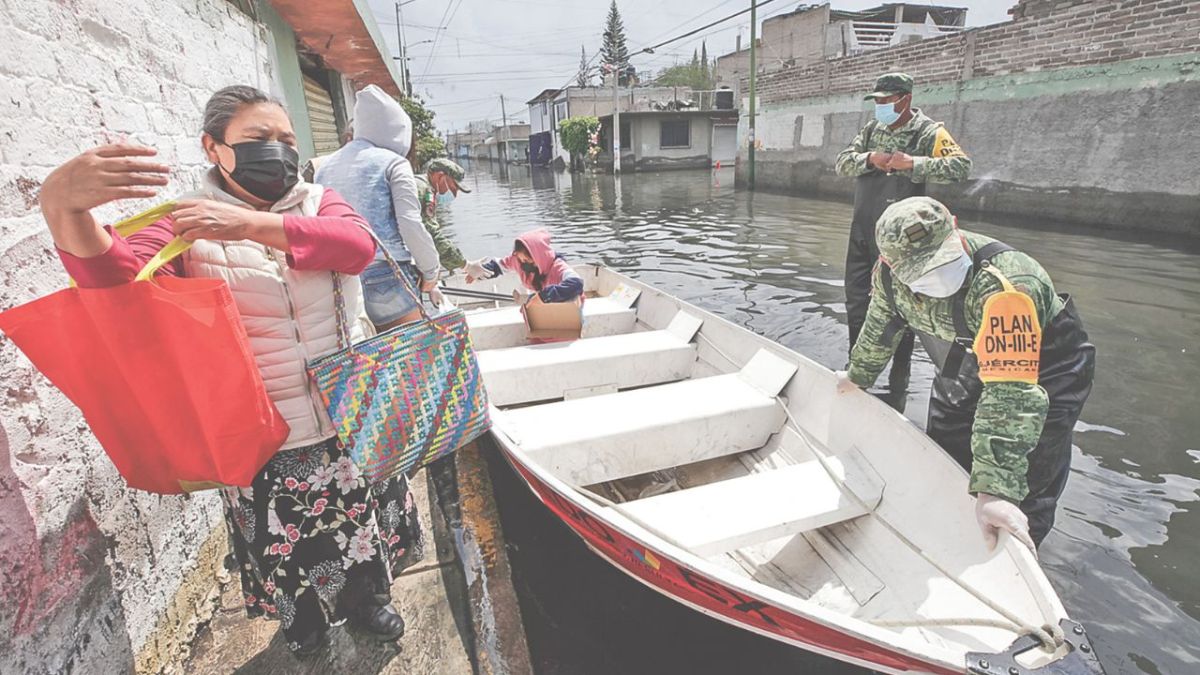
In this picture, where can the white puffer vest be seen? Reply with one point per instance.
(288, 315)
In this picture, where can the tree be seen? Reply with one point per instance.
(575, 134)
(428, 142)
(613, 52)
(696, 75)
(704, 72)
(583, 79)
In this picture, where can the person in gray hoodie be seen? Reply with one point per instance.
(373, 175)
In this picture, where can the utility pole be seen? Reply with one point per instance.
(616, 116)
(503, 129)
(753, 82)
(403, 51)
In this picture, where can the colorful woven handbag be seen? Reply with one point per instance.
(407, 396)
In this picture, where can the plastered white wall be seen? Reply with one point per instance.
(87, 565)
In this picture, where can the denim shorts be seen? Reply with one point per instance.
(385, 299)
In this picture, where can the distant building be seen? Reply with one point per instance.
(696, 130)
(458, 144)
(543, 131)
(814, 33)
(507, 144)
(552, 106)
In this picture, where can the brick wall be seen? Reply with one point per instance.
(90, 568)
(1047, 35)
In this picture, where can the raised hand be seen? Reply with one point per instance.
(102, 175)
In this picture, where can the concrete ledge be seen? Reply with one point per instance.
(500, 645)
(190, 610)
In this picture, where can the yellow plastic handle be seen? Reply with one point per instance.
(168, 253)
(141, 221)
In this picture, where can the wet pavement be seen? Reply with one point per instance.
(1124, 551)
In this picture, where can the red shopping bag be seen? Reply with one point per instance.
(163, 373)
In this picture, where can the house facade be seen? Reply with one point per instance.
(550, 107)
(506, 144)
(543, 130)
(695, 132)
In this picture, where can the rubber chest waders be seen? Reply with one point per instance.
(873, 193)
(1067, 363)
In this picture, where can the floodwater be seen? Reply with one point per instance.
(1124, 552)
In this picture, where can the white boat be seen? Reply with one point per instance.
(721, 469)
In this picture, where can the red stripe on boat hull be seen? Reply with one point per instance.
(693, 588)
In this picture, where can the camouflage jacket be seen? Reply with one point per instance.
(1010, 415)
(937, 159)
(451, 258)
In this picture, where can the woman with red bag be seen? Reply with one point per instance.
(314, 542)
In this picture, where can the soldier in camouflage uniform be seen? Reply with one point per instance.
(441, 178)
(1014, 366)
(892, 158)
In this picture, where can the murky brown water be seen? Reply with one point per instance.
(1125, 549)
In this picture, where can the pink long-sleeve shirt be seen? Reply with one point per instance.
(334, 239)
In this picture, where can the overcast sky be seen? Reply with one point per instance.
(517, 48)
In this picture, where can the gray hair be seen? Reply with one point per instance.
(225, 104)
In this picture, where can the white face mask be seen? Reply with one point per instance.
(944, 281)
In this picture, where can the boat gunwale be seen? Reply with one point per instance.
(907, 646)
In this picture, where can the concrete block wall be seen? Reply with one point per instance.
(1066, 34)
(1076, 111)
(97, 578)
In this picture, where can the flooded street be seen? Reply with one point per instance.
(1124, 551)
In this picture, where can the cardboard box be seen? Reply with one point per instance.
(552, 320)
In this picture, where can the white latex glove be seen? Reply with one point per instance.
(844, 384)
(436, 297)
(995, 514)
(475, 270)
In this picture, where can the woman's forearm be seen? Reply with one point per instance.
(76, 232)
(267, 229)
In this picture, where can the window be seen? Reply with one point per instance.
(675, 134)
(626, 136)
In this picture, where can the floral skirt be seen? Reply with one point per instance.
(309, 529)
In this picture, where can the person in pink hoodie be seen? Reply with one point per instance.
(541, 269)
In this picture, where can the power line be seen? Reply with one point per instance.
(782, 10)
(443, 23)
(454, 79)
(684, 23)
(511, 55)
(460, 101)
(473, 72)
(651, 48)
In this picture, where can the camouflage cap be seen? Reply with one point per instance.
(891, 83)
(914, 237)
(449, 168)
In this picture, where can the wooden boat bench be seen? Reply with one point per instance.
(739, 512)
(589, 366)
(504, 327)
(656, 427)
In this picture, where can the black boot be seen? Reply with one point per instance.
(382, 621)
(367, 604)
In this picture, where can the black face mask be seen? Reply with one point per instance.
(266, 169)
(529, 268)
